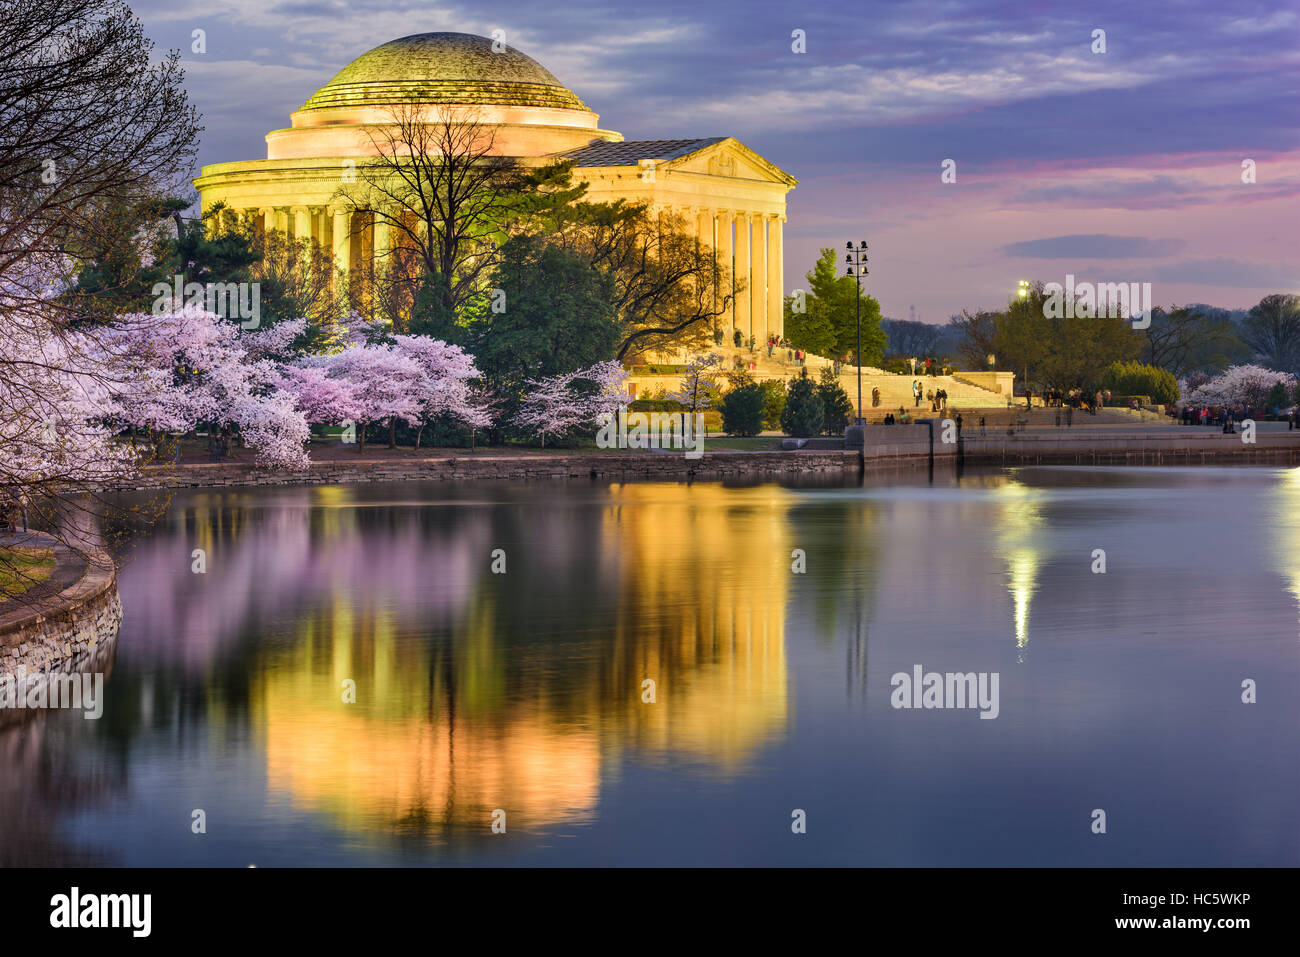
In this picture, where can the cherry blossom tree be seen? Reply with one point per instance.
(370, 383)
(412, 379)
(192, 366)
(564, 402)
(700, 386)
(1247, 385)
(447, 387)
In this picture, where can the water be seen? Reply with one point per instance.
(523, 691)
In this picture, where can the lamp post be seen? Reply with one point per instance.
(1022, 293)
(856, 266)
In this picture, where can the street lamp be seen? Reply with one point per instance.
(1022, 293)
(856, 266)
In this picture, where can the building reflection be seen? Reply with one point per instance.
(1285, 522)
(494, 696)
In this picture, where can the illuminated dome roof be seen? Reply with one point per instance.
(455, 68)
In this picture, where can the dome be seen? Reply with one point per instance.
(453, 68)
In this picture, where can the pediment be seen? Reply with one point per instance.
(731, 158)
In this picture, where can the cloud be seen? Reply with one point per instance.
(1158, 191)
(1093, 246)
(1231, 273)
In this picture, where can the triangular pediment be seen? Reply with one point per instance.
(732, 158)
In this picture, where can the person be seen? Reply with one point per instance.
(958, 421)
(1290, 420)
(916, 393)
(929, 397)
(875, 397)
(1069, 416)
(982, 432)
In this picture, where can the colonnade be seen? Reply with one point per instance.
(751, 242)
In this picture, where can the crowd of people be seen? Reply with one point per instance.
(1226, 417)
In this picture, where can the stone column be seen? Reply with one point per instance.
(704, 228)
(282, 219)
(266, 215)
(301, 224)
(775, 303)
(342, 238)
(382, 235)
(779, 223)
(727, 253)
(744, 272)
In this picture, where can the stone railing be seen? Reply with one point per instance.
(53, 630)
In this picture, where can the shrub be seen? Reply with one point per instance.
(655, 405)
(773, 403)
(1136, 378)
(1277, 397)
(804, 414)
(742, 406)
(836, 403)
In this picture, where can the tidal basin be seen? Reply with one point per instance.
(523, 689)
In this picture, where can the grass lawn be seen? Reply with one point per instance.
(21, 568)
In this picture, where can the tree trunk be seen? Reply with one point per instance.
(418, 434)
(392, 431)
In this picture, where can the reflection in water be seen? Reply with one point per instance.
(524, 691)
(42, 778)
(478, 691)
(701, 617)
(1020, 527)
(1286, 532)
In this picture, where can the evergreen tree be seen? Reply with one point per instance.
(556, 316)
(836, 403)
(829, 326)
(742, 406)
(773, 402)
(804, 414)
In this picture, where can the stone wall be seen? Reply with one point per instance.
(887, 447)
(615, 466)
(56, 631)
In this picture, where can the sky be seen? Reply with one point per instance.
(1117, 166)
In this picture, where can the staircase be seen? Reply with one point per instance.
(895, 390)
